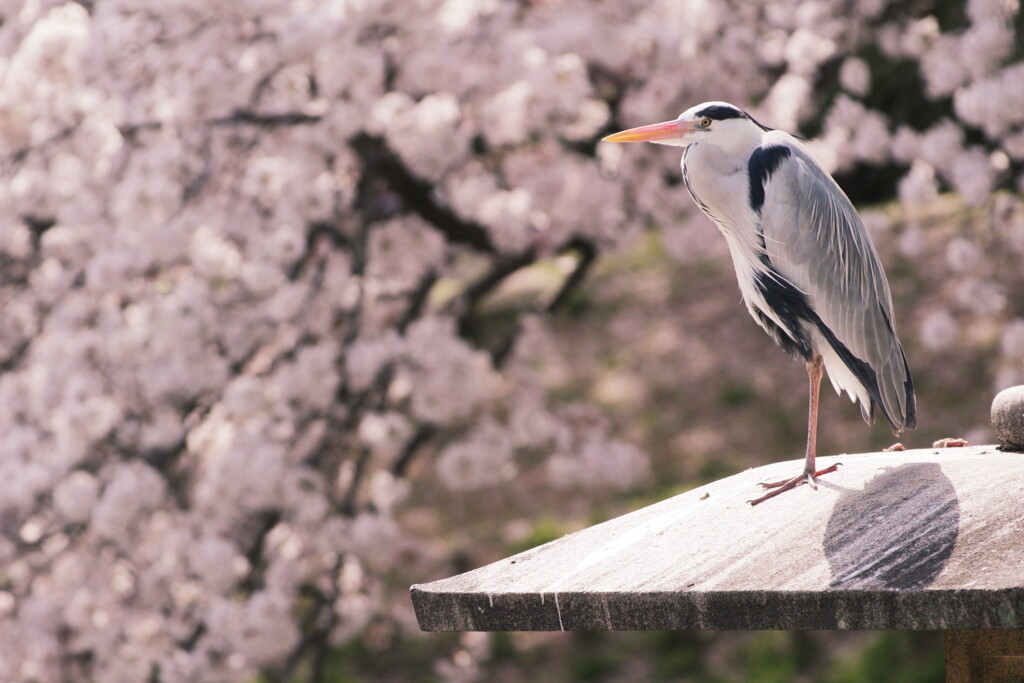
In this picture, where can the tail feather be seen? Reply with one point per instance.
(891, 390)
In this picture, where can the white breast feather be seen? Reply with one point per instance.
(723, 197)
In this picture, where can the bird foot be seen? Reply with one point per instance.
(787, 484)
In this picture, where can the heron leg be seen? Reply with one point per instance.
(814, 384)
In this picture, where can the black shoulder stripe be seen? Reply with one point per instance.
(760, 167)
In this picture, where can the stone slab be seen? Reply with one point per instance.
(919, 539)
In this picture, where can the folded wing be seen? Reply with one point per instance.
(814, 239)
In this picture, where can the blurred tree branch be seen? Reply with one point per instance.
(380, 161)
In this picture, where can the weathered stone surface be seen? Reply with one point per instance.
(919, 539)
(1008, 417)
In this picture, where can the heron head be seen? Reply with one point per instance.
(714, 122)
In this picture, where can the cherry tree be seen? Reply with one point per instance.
(247, 253)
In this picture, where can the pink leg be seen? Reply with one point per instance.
(814, 382)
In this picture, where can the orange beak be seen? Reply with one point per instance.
(668, 130)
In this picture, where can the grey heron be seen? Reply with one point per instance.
(807, 270)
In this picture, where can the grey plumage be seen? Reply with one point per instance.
(806, 267)
(815, 239)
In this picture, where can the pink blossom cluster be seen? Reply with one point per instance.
(246, 261)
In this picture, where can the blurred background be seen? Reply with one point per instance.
(304, 302)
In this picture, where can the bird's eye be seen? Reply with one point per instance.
(705, 122)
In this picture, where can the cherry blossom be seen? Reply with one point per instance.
(272, 273)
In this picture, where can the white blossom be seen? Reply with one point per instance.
(438, 361)
(483, 458)
(613, 464)
(918, 187)
(962, 255)
(238, 245)
(1012, 343)
(855, 76)
(75, 496)
(939, 330)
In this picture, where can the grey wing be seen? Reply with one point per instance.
(814, 238)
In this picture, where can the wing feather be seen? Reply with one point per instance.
(814, 238)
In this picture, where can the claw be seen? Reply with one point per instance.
(787, 484)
